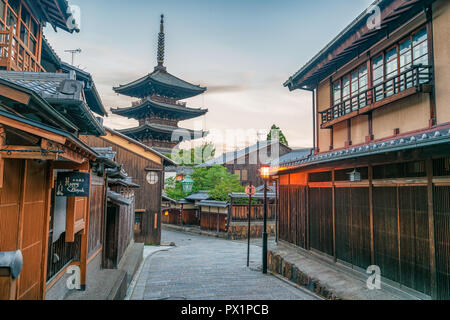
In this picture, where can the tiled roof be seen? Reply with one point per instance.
(295, 155)
(159, 78)
(185, 112)
(59, 89)
(90, 90)
(431, 137)
(117, 197)
(199, 196)
(212, 203)
(159, 128)
(258, 195)
(106, 152)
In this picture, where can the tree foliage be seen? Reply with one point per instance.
(281, 136)
(217, 180)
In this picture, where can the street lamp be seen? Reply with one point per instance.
(187, 184)
(265, 175)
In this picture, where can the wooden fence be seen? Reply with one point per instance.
(240, 212)
(385, 224)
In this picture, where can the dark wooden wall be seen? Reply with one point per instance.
(97, 214)
(24, 214)
(208, 221)
(388, 223)
(126, 233)
(240, 212)
(148, 197)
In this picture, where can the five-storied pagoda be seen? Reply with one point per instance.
(159, 109)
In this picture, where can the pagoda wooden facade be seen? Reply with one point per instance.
(159, 109)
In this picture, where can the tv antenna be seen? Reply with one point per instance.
(73, 52)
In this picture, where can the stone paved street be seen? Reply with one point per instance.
(204, 268)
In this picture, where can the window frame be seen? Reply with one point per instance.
(355, 98)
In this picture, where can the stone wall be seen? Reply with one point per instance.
(239, 230)
(277, 264)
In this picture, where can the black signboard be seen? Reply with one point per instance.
(72, 184)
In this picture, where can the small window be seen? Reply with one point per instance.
(152, 178)
(26, 17)
(15, 4)
(34, 28)
(238, 173)
(11, 20)
(244, 175)
(2, 9)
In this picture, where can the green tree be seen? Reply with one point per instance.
(216, 180)
(281, 136)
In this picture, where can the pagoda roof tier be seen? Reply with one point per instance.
(162, 83)
(159, 129)
(179, 111)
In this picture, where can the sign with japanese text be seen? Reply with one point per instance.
(73, 184)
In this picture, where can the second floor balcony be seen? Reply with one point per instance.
(15, 55)
(416, 79)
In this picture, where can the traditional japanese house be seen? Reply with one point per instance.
(159, 109)
(45, 108)
(213, 215)
(37, 145)
(245, 163)
(120, 214)
(146, 167)
(237, 222)
(376, 189)
(21, 31)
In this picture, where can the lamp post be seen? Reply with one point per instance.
(265, 175)
(187, 184)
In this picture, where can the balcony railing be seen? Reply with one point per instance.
(15, 55)
(408, 81)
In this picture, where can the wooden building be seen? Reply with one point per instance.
(146, 166)
(37, 145)
(213, 215)
(159, 109)
(245, 163)
(376, 189)
(21, 31)
(53, 190)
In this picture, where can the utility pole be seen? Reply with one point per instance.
(73, 52)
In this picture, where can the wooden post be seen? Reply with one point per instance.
(2, 161)
(399, 249)
(429, 168)
(307, 240)
(48, 204)
(21, 212)
(85, 237)
(372, 247)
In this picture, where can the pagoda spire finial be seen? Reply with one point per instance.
(161, 44)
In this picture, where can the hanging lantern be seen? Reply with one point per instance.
(187, 184)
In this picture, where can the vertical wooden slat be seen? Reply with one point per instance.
(333, 197)
(372, 248)
(399, 243)
(45, 237)
(429, 169)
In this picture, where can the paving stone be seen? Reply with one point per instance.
(204, 268)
